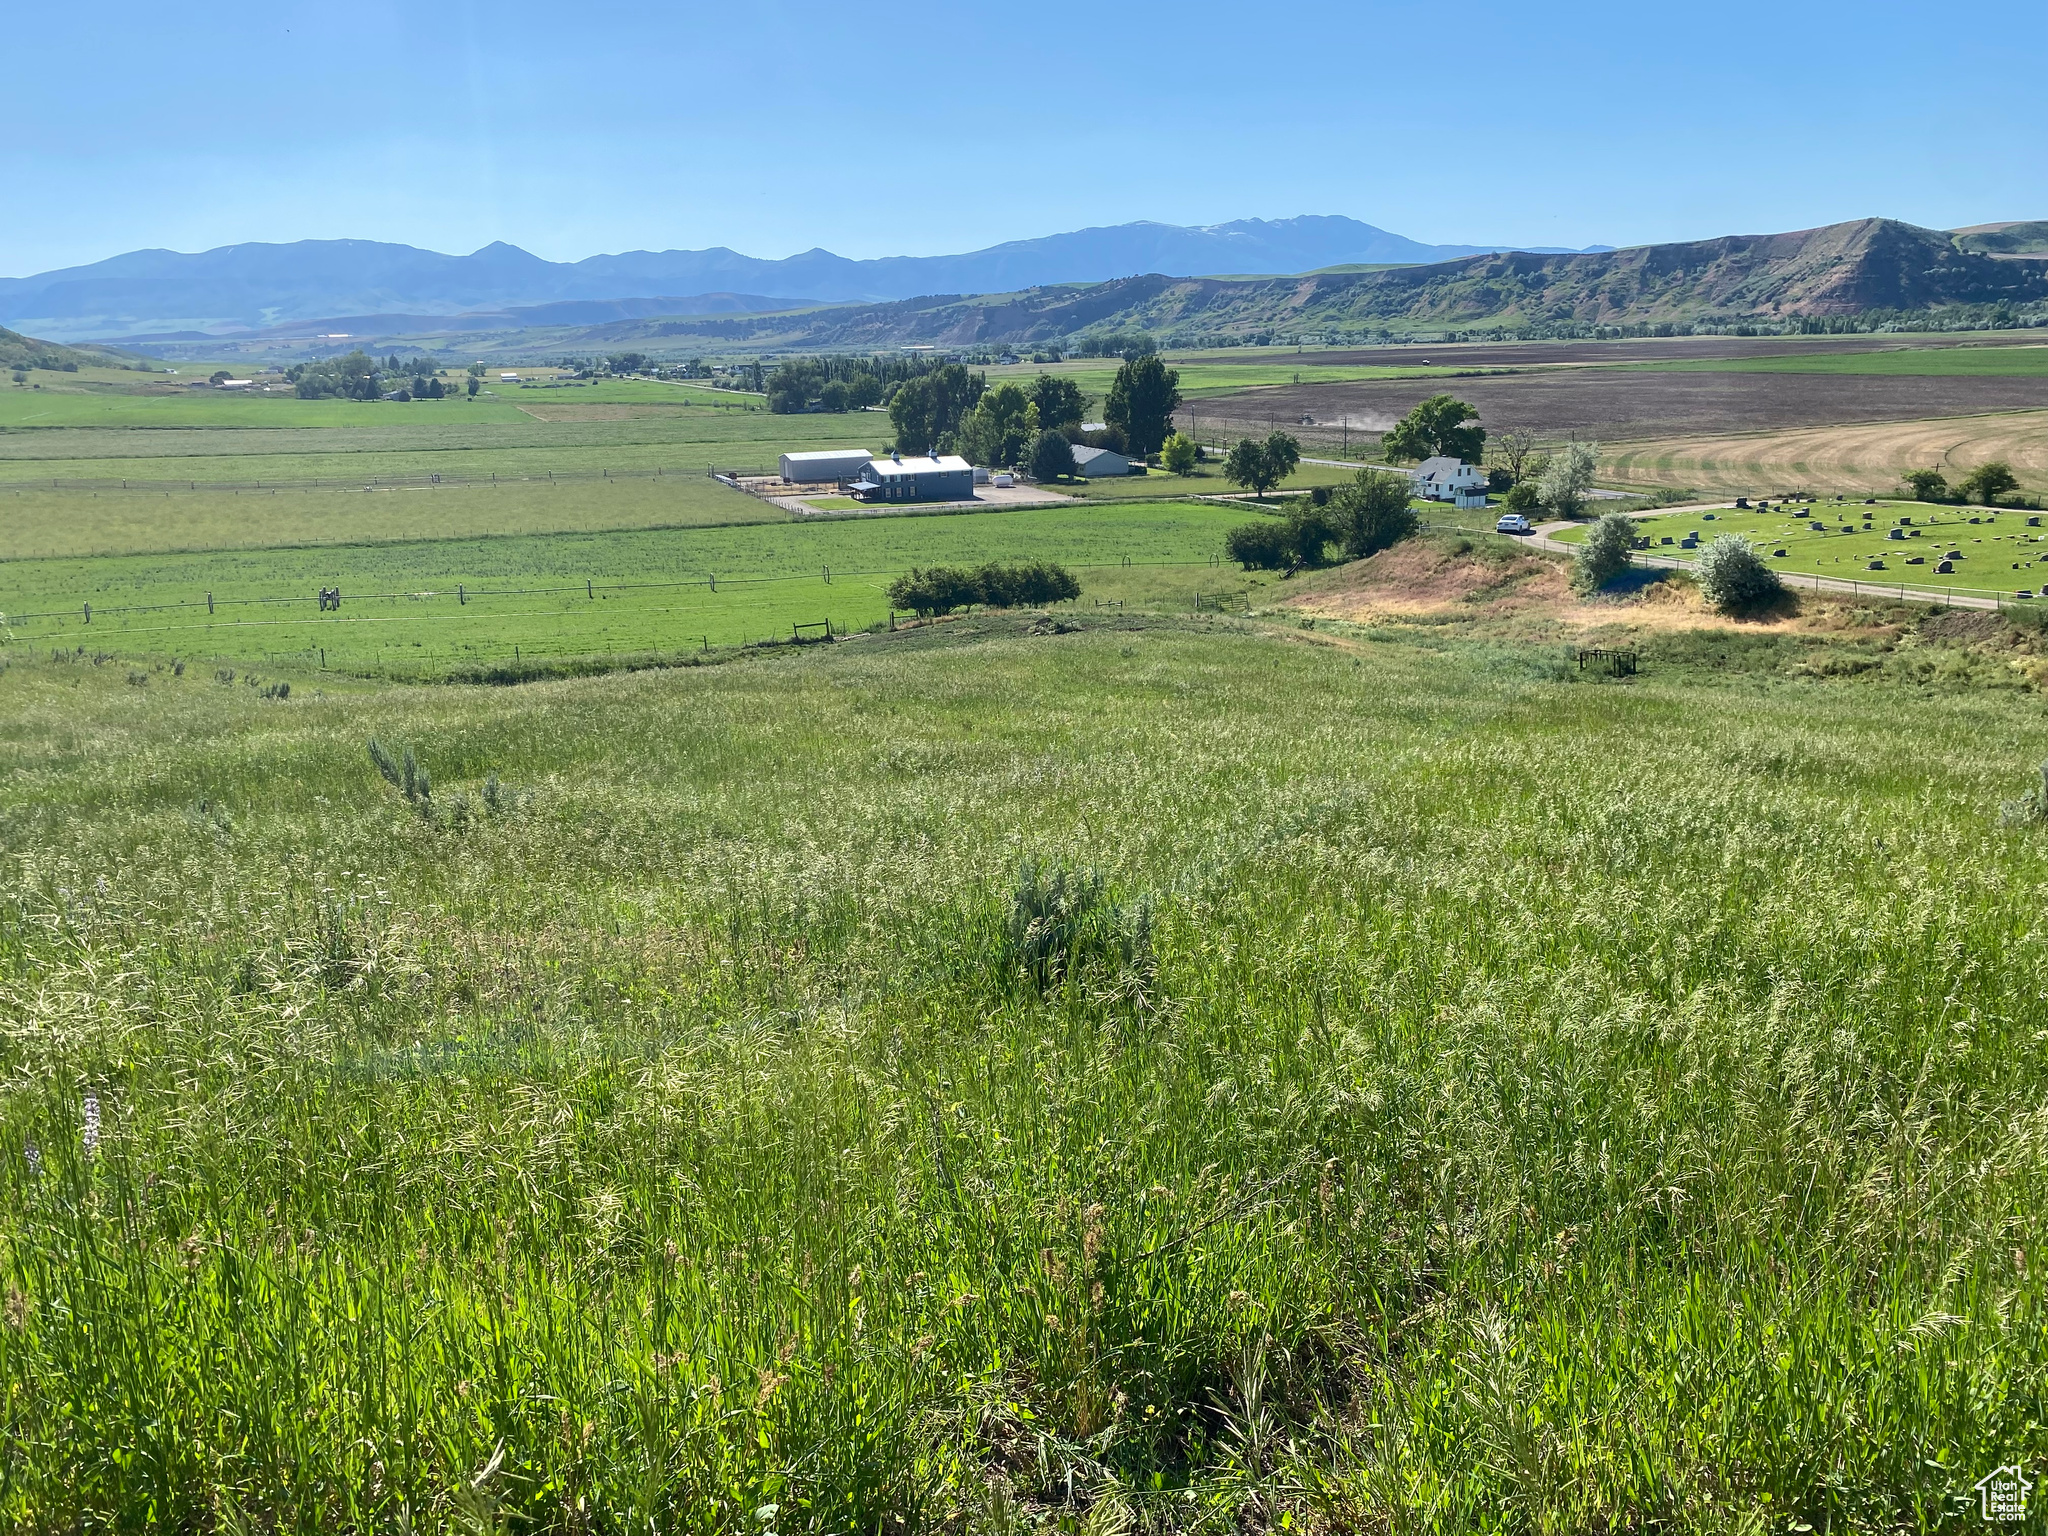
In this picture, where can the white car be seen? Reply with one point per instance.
(1512, 522)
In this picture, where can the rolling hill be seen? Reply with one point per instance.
(1855, 268)
(19, 351)
(259, 286)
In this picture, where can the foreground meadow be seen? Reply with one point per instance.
(725, 1099)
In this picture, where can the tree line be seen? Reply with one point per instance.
(942, 589)
(358, 376)
(1990, 484)
(1370, 514)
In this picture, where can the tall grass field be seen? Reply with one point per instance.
(1123, 1074)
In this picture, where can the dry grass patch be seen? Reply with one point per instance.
(1839, 458)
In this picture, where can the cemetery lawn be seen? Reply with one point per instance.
(1473, 1100)
(1998, 551)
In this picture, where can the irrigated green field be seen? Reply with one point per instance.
(36, 524)
(1891, 542)
(453, 603)
(1473, 1099)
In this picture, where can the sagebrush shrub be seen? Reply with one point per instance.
(1733, 577)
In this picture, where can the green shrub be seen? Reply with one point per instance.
(1052, 457)
(1266, 545)
(1605, 553)
(1064, 925)
(1927, 485)
(941, 589)
(1372, 513)
(1733, 577)
(1987, 482)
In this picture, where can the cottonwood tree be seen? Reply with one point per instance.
(1142, 402)
(926, 410)
(1987, 482)
(1514, 449)
(1001, 429)
(1568, 477)
(1927, 485)
(1372, 513)
(1258, 467)
(1059, 401)
(1438, 426)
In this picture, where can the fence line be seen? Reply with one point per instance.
(464, 595)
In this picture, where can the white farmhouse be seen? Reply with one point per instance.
(1446, 479)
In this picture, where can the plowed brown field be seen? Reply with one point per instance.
(1615, 405)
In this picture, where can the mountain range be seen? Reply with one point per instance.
(264, 287)
(1853, 268)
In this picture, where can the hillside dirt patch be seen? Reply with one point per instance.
(1498, 593)
(1487, 589)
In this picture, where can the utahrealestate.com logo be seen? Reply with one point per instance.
(2002, 1494)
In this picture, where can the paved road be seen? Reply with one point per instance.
(1545, 538)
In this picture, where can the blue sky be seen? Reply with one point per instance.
(775, 125)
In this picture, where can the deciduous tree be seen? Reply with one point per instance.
(1987, 482)
(1142, 402)
(1373, 512)
(1568, 477)
(1052, 457)
(1437, 426)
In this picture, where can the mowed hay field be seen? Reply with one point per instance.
(1863, 458)
(1472, 1099)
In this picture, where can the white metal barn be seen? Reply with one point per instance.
(1094, 463)
(826, 465)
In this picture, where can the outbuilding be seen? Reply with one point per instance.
(941, 477)
(1098, 463)
(826, 466)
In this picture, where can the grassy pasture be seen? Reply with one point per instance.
(1530, 1106)
(37, 524)
(212, 409)
(526, 448)
(1997, 551)
(577, 594)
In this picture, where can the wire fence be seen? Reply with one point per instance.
(331, 599)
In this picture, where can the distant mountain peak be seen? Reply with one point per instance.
(256, 285)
